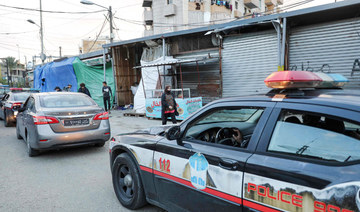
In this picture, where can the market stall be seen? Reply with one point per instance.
(186, 105)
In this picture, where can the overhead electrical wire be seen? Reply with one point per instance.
(97, 37)
(50, 11)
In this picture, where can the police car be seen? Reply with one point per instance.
(296, 148)
(11, 102)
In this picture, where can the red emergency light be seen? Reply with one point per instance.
(292, 79)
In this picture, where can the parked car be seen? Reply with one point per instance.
(57, 120)
(289, 150)
(10, 104)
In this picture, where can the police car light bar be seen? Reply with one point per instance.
(16, 89)
(292, 79)
(304, 79)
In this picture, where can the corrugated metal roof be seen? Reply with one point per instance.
(92, 54)
(239, 23)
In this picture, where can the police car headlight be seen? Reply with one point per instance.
(15, 113)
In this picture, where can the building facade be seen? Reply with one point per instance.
(162, 16)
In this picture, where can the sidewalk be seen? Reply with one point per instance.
(125, 124)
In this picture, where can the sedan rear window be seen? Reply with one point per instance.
(21, 97)
(68, 100)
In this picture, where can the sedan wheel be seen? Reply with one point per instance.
(18, 132)
(127, 182)
(31, 152)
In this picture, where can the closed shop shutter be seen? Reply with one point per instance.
(247, 60)
(206, 81)
(335, 45)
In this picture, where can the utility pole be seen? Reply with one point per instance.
(60, 51)
(42, 56)
(7, 70)
(111, 25)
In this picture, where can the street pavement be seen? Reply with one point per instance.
(76, 179)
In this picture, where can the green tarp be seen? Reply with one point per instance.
(93, 76)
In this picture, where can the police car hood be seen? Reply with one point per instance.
(156, 130)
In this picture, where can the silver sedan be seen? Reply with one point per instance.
(57, 120)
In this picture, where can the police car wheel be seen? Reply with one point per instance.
(6, 120)
(127, 183)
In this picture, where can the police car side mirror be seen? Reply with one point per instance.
(174, 133)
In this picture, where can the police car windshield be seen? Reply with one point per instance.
(241, 115)
(21, 96)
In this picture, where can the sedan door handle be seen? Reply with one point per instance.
(228, 164)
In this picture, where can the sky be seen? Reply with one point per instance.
(20, 39)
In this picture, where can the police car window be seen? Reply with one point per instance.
(232, 127)
(316, 136)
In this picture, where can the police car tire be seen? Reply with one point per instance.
(6, 120)
(138, 200)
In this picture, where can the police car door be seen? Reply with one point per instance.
(202, 174)
(307, 160)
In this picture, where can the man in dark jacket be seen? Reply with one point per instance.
(168, 106)
(84, 89)
(106, 90)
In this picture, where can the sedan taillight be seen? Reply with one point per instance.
(102, 116)
(38, 120)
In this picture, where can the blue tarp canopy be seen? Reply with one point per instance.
(55, 74)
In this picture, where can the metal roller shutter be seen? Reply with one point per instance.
(247, 60)
(336, 44)
(206, 82)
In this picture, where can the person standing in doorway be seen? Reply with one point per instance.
(106, 90)
(84, 89)
(168, 106)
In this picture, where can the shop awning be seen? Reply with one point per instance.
(192, 60)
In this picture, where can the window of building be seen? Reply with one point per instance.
(169, 1)
(316, 136)
(236, 5)
(191, 43)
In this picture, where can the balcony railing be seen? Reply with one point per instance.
(169, 10)
(252, 4)
(148, 17)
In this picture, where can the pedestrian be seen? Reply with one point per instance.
(84, 89)
(68, 88)
(106, 90)
(57, 89)
(168, 105)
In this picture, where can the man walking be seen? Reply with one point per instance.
(106, 90)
